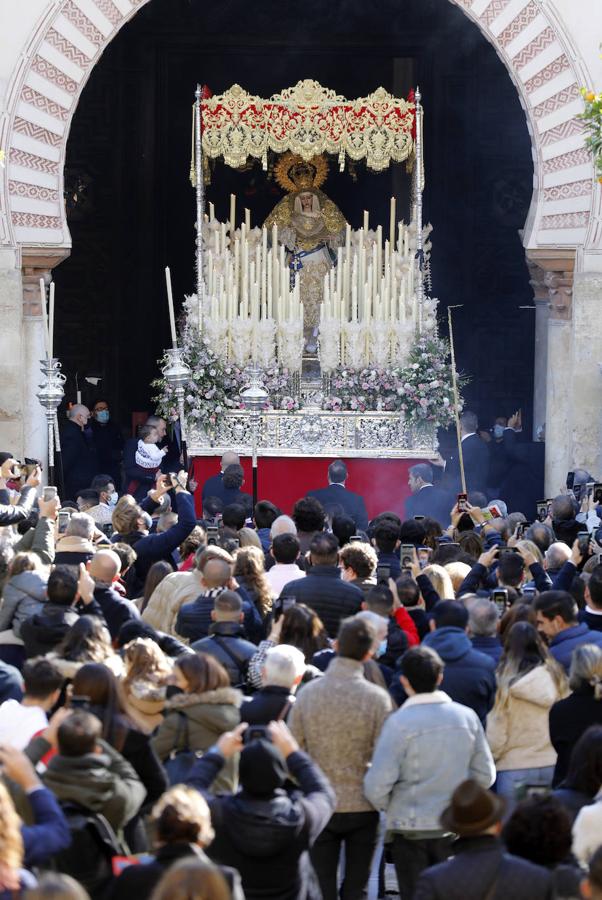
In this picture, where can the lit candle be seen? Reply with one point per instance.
(44, 317)
(172, 318)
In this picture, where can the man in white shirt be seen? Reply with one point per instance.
(285, 550)
(19, 722)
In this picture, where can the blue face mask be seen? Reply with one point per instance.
(382, 649)
(498, 432)
(103, 416)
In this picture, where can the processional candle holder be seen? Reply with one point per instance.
(177, 374)
(50, 394)
(255, 398)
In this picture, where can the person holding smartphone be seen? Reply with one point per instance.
(9, 469)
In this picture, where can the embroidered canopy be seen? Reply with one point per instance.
(308, 119)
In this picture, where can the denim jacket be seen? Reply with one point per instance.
(424, 751)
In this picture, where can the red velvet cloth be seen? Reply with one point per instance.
(383, 483)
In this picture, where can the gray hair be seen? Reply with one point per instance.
(81, 525)
(379, 623)
(283, 665)
(282, 525)
(557, 554)
(586, 668)
(483, 617)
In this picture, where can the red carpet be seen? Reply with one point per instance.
(382, 482)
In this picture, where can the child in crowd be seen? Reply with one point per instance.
(148, 455)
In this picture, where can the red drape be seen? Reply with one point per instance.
(382, 482)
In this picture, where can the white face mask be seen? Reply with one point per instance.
(113, 498)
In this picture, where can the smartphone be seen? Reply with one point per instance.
(570, 481)
(406, 556)
(522, 528)
(529, 593)
(356, 539)
(49, 493)
(424, 556)
(505, 551)
(79, 702)
(499, 596)
(542, 510)
(212, 535)
(107, 529)
(256, 733)
(597, 493)
(584, 538)
(419, 518)
(462, 502)
(383, 573)
(63, 520)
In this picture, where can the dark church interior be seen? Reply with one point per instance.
(131, 207)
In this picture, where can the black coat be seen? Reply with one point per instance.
(352, 505)
(327, 594)
(78, 454)
(430, 501)
(227, 643)
(108, 443)
(573, 801)
(214, 487)
(569, 718)
(267, 705)
(138, 882)
(476, 466)
(267, 838)
(43, 631)
(115, 608)
(479, 863)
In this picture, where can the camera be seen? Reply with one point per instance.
(212, 535)
(256, 733)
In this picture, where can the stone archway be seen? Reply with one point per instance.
(71, 37)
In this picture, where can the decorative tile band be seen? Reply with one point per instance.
(37, 132)
(33, 220)
(31, 161)
(567, 191)
(565, 220)
(29, 95)
(54, 75)
(32, 191)
(82, 23)
(562, 98)
(561, 132)
(69, 50)
(566, 161)
(517, 25)
(534, 48)
(557, 67)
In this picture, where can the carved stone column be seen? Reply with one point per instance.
(36, 263)
(557, 267)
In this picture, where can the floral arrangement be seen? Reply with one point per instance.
(592, 116)
(421, 390)
(214, 387)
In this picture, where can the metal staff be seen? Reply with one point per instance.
(255, 397)
(418, 189)
(456, 398)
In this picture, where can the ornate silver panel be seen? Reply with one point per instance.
(315, 433)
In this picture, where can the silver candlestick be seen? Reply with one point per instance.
(50, 396)
(255, 398)
(177, 374)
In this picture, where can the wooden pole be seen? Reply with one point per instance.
(456, 398)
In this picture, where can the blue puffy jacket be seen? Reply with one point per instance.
(563, 644)
(469, 676)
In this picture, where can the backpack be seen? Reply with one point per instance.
(89, 857)
(242, 665)
(180, 762)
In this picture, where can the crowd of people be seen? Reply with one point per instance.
(315, 705)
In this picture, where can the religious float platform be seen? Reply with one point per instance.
(307, 338)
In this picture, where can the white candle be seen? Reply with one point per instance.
(172, 318)
(346, 281)
(366, 220)
(264, 263)
(248, 219)
(223, 237)
(354, 302)
(269, 295)
(232, 215)
(211, 212)
(44, 317)
(51, 322)
(379, 250)
(392, 224)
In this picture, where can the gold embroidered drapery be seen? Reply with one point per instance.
(308, 119)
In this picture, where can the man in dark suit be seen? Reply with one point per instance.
(426, 499)
(214, 486)
(337, 495)
(80, 464)
(476, 458)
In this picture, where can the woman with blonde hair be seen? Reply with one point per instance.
(529, 682)
(571, 717)
(181, 822)
(143, 688)
(531, 547)
(12, 874)
(249, 572)
(192, 880)
(439, 578)
(457, 572)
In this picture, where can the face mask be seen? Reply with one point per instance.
(113, 498)
(103, 416)
(498, 432)
(382, 649)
